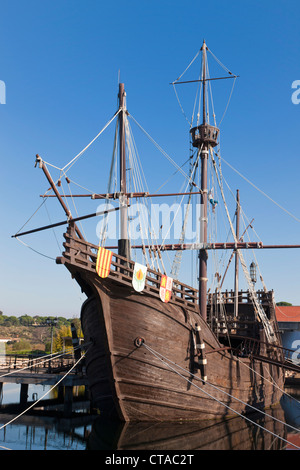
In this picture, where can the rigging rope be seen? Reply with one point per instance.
(71, 163)
(138, 186)
(137, 180)
(163, 152)
(180, 105)
(271, 382)
(262, 192)
(70, 192)
(48, 391)
(36, 251)
(51, 222)
(45, 359)
(200, 87)
(259, 309)
(188, 66)
(178, 255)
(229, 99)
(103, 234)
(163, 359)
(28, 220)
(63, 171)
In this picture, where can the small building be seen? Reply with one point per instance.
(3, 341)
(288, 318)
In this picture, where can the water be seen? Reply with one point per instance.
(41, 436)
(37, 432)
(90, 432)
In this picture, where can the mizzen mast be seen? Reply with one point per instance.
(204, 137)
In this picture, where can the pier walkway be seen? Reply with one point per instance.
(60, 369)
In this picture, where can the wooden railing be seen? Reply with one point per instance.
(35, 364)
(228, 296)
(221, 312)
(83, 254)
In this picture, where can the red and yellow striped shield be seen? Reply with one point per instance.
(103, 262)
(165, 291)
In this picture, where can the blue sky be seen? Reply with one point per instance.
(60, 61)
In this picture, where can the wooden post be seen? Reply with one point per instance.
(23, 394)
(68, 402)
(75, 342)
(60, 395)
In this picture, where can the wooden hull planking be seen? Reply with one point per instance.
(133, 384)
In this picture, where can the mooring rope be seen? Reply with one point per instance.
(223, 391)
(272, 382)
(164, 359)
(48, 391)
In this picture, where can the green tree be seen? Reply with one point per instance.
(77, 324)
(11, 321)
(25, 320)
(62, 321)
(58, 341)
(37, 319)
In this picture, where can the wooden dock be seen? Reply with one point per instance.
(27, 371)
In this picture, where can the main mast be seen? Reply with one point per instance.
(204, 137)
(123, 242)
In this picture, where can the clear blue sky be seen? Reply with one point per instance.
(60, 62)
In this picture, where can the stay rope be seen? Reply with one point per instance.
(262, 192)
(178, 255)
(167, 362)
(259, 310)
(139, 184)
(71, 163)
(163, 151)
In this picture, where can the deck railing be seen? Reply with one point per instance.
(35, 364)
(228, 296)
(222, 317)
(83, 254)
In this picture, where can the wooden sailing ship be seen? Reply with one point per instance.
(192, 354)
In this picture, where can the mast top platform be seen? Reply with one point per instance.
(205, 133)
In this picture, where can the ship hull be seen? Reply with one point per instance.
(159, 378)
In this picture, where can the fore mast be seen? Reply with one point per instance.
(204, 137)
(123, 242)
